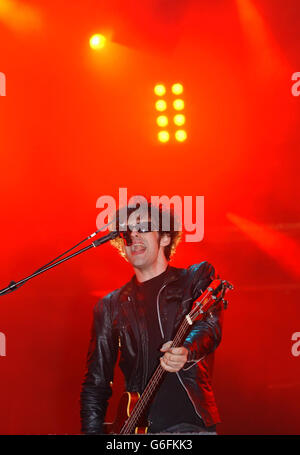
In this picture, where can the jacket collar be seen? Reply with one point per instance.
(174, 274)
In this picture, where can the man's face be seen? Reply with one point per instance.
(146, 249)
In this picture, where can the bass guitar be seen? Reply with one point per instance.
(132, 407)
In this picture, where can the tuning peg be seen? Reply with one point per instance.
(228, 285)
(225, 303)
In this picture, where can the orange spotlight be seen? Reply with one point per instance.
(177, 89)
(179, 119)
(178, 105)
(180, 135)
(162, 120)
(282, 248)
(159, 90)
(161, 105)
(171, 100)
(163, 136)
(98, 41)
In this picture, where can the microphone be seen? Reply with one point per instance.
(112, 235)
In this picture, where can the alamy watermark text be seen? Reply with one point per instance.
(2, 345)
(2, 84)
(188, 210)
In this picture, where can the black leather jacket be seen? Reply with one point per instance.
(118, 324)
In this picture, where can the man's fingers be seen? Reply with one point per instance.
(167, 367)
(174, 358)
(166, 346)
(180, 350)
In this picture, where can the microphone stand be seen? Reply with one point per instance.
(15, 285)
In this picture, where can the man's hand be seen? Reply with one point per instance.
(174, 358)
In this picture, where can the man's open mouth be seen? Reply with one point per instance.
(138, 248)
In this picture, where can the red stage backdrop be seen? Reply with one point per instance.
(76, 124)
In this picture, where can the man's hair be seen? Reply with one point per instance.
(163, 220)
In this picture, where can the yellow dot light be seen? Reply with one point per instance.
(161, 105)
(178, 105)
(179, 119)
(97, 41)
(162, 120)
(180, 135)
(159, 90)
(177, 89)
(163, 136)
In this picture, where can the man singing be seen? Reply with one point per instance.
(141, 318)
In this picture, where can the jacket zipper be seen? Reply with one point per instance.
(158, 312)
(181, 382)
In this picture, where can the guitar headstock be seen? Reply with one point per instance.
(211, 298)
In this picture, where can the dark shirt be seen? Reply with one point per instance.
(171, 404)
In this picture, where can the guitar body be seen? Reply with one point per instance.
(126, 404)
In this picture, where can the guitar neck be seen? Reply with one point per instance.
(153, 384)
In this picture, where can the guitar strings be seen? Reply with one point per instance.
(139, 408)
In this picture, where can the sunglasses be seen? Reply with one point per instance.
(143, 227)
